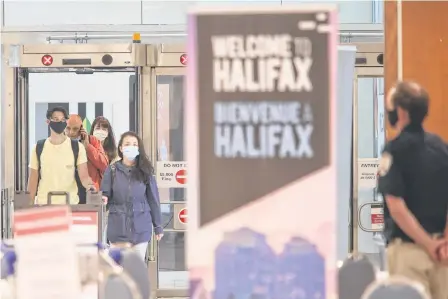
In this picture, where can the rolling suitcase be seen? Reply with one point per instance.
(94, 203)
(58, 193)
(22, 200)
(96, 198)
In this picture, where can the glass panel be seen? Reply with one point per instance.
(170, 147)
(366, 110)
(172, 268)
(370, 144)
(167, 216)
(87, 95)
(381, 111)
(170, 127)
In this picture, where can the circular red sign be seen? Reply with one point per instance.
(181, 176)
(183, 216)
(47, 60)
(183, 59)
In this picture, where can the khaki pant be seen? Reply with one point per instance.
(412, 261)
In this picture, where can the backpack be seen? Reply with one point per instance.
(40, 147)
(113, 170)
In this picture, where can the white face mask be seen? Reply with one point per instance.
(100, 134)
(130, 152)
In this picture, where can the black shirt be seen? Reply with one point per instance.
(414, 166)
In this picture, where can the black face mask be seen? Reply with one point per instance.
(58, 126)
(392, 116)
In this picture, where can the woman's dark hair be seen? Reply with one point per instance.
(143, 168)
(109, 144)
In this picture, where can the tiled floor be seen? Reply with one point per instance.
(173, 279)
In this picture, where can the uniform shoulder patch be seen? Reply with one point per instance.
(385, 164)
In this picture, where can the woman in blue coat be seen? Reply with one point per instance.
(132, 196)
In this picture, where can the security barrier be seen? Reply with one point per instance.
(122, 274)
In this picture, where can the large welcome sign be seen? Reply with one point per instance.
(260, 143)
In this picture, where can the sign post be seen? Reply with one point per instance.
(260, 144)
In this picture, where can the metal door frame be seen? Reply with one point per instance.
(164, 60)
(370, 65)
(18, 57)
(152, 60)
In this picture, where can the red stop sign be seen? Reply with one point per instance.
(181, 176)
(183, 216)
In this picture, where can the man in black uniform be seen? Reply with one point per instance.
(413, 178)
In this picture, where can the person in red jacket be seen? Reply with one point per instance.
(97, 158)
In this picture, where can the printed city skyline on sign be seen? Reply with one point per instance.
(246, 267)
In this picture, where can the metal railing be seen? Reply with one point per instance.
(85, 37)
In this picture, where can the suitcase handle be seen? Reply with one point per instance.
(58, 193)
(95, 195)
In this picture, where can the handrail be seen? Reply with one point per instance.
(87, 37)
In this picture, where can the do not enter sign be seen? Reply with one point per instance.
(183, 216)
(172, 174)
(181, 176)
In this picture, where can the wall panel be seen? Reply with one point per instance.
(391, 57)
(37, 12)
(358, 11)
(425, 51)
(175, 12)
(50, 12)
